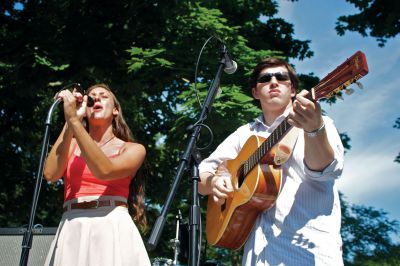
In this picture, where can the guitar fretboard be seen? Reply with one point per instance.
(266, 146)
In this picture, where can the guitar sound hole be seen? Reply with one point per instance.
(240, 176)
(223, 207)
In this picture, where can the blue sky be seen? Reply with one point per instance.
(370, 176)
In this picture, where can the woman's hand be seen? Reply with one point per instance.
(74, 104)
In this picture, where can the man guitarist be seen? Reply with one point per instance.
(303, 226)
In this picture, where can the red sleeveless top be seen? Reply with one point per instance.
(79, 181)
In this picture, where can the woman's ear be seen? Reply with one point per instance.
(115, 111)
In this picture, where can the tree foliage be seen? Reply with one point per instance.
(368, 235)
(390, 258)
(377, 18)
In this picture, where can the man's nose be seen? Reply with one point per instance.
(274, 81)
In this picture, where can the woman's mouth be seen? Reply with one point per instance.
(97, 107)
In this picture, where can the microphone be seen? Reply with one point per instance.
(90, 100)
(230, 65)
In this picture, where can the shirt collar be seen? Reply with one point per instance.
(260, 121)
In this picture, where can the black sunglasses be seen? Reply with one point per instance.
(280, 76)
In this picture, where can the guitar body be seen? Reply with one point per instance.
(229, 225)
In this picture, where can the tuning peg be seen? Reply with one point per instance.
(349, 91)
(359, 85)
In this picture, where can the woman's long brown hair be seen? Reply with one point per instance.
(136, 188)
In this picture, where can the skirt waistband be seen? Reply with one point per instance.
(94, 202)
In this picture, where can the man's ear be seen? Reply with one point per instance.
(293, 93)
(254, 91)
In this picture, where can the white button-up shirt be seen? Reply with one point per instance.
(303, 227)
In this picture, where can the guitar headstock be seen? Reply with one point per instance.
(354, 68)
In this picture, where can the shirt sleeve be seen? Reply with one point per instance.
(228, 149)
(335, 168)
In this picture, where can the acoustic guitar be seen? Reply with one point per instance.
(257, 173)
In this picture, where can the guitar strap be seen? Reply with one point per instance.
(284, 148)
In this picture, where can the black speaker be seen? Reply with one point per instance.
(11, 245)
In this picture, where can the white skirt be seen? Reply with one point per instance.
(103, 236)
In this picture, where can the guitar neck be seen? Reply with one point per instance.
(266, 146)
(351, 70)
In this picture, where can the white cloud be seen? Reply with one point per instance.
(370, 169)
(368, 112)
(371, 178)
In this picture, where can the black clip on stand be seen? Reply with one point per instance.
(27, 239)
(191, 152)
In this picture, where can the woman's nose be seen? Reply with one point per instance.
(96, 98)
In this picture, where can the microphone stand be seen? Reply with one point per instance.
(191, 156)
(27, 239)
(176, 242)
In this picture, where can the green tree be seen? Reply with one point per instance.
(377, 18)
(390, 258)
(368, 235)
